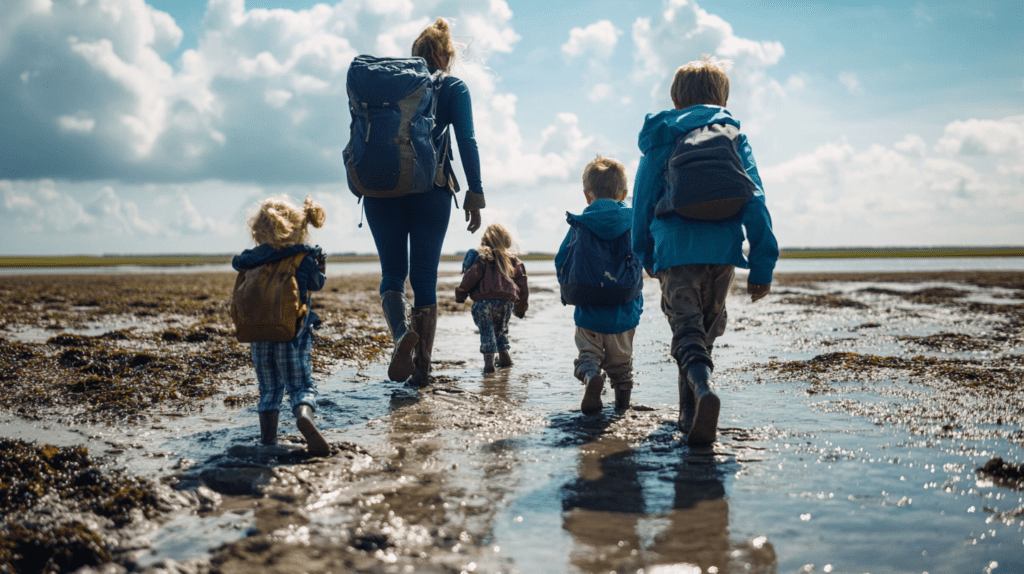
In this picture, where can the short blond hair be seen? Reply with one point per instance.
(281, 224)
(702, 81)
(604, 178)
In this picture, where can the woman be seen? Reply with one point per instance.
(409, 230)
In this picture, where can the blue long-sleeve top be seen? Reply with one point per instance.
(672, 241)
(455, 108)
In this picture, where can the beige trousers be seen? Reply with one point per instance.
(612, 353)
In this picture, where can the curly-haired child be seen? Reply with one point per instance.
(279, 229)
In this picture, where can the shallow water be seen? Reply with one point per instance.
(525, 483)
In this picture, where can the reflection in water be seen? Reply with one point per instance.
(615, 528)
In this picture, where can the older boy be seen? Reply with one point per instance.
(695, 260)
(604, 333)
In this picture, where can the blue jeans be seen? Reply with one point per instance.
(409, 232)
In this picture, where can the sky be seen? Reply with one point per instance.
(129, 127)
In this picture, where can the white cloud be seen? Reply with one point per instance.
(598, 39)
(983, 137)
(684, 32)
(599, 92)
(912, 145)
(889, 196)
(78, 123)
(187, 219)
(850, 81)
(261, 97)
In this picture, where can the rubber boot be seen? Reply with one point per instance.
(268, 428)
(622, 399)
(488, 362)
(396, 313)
(424, 322)
(687, 405)
(315, 443)
(591, 403)
(504, 359)
(705, 421)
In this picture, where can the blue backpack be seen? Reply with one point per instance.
(599, 271)
(704, 176)
(390, 152)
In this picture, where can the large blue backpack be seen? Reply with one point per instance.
(390, 150)
(599, 271)
(704, 176)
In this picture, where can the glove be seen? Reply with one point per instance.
(519, 310)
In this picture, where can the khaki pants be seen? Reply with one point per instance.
(613, 353)
(693, 300)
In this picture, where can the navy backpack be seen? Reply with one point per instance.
(390, 150)
(704, 176)
(599, 271)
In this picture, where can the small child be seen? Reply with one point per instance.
(496, 282)
(279, 230)
(695, 260)
(604, 333)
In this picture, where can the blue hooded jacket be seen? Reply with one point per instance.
(307, 275)
(608, 219)
(673, 241)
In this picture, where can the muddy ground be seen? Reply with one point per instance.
(132, 353)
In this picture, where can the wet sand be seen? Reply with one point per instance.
(500, 472)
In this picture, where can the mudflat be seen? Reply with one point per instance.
(131, 361)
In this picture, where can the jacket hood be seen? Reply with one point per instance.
(664, 127)
(607, 218)
(262, 254)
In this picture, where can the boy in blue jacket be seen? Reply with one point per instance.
(695, 260)
(604, 333)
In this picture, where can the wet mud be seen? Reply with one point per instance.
(857, 410)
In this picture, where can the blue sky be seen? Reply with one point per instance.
(155, 128)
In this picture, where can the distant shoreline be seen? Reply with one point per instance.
(220, 259)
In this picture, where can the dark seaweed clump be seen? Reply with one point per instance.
(99, 381)
(1004, 472)
(965, 372)
(61, 482)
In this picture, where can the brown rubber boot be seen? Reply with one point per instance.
(504, 359)
(488, 362)
(591, 403)
(268, 428)
(705, 421)
(424, 322)
(315, 443)
(396, 313)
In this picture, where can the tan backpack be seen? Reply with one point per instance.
(265, 303)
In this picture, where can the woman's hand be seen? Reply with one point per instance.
(473, 217)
